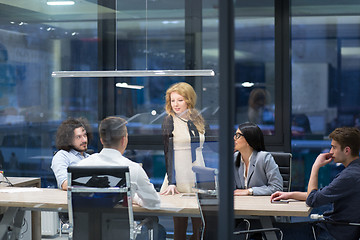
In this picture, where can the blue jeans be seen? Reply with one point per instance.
(322, 233)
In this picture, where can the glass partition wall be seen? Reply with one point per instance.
(325, 81)
(35, 40)
(38, 39)
(155, 36)
(255, 64)
(313, 92)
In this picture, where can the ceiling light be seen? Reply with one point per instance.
(125, 85)
(59, 3)
(247, 84)
(350, 51)
(135, 73)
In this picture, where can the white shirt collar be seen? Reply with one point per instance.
(246, 170)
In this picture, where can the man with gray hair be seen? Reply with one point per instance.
(114, 137)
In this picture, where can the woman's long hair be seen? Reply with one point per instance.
(253, 136)
(189, 95)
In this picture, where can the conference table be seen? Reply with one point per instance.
(35, 215)
(46, 199)
(258, 207)
(22, 182)
(186, 205)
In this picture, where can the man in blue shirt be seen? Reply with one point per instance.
(343, 192)
(72, 139)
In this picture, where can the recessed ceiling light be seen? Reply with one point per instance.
(125, 85)
(247, 84)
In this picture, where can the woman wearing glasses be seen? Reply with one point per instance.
(184, 134)
(256, 172)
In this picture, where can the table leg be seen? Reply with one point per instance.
(267, 223)
(36, 225)
(11, 222)
(18, 221)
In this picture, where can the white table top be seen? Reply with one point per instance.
(179, 204)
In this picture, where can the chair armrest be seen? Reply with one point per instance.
(149, 222)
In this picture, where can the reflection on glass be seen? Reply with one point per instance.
(254, 64)
(325, 80)
(35, 40)
(33, 104)
(259, 110)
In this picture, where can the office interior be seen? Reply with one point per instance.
(292, 67)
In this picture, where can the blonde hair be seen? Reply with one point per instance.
(189, 95)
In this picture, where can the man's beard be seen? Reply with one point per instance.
(81, 150)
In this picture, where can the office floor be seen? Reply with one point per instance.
(298, 230)
(291, 232)
(65, 237)
(167, 222)
(56, 237)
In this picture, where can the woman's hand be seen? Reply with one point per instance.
(277, 196)
(171, 189)
(241, 192)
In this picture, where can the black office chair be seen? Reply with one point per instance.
(206, 189)
(100, 204)
(321, 219)
(283, 160)
(64, 216)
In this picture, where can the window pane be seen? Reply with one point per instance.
(255, 68)
(325, 81)
(162, 38)
(35, 40)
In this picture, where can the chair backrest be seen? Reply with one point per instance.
(283, 160)
(99, 198)
(206, 178)
(207, 194)
(206, 189)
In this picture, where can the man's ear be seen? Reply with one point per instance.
(347, 150)
(122, 141)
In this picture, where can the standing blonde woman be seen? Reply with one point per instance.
(184, 135)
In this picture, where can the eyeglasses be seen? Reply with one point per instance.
(238, 135)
